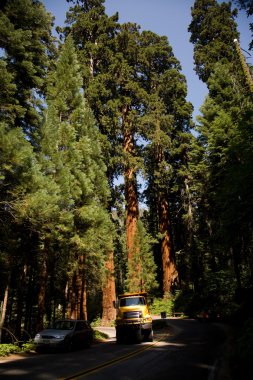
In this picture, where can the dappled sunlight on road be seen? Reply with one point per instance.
(168, 344)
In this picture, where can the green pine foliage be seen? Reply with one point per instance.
(63, 124)
(165, 126)
(213, 30)
(27, 45)
(72, 155)
(222, 162)
(142, 269)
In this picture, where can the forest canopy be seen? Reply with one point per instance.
(86, 118)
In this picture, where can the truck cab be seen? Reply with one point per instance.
(133, 318)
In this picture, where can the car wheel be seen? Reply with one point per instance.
(69, 346)
(88, 342)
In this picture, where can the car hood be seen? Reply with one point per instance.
(54, 332)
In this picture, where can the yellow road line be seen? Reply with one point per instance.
(110, 362)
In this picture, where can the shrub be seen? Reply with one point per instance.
(96, 322)
(28, 346)
(8, 349)
(162, 305)
(99, 335)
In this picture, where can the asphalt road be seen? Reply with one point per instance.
(186, 350)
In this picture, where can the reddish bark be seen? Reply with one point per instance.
(132, 212)
(131, 195)
(77, 294)
(168, 260)
(83, 302)
(109, 293)
(72, 299)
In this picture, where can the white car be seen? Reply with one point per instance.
(65, 334)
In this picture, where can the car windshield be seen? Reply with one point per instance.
(132, 301)
(64, 325)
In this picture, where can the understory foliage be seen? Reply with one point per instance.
(99, 167)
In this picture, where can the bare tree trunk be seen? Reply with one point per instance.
(20, 301)
(109, 293)
(82, 293)
(76, 293)
(170, 274)
(3, 311)
(189, 237)
(72, 304)
(132, 211)
(42, 292)
(168, 260)
(131, 194)
(83, 301)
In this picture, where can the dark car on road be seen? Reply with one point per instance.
(65, 334)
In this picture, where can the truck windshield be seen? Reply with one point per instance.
(132, 301)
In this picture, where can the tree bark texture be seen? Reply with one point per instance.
(109, 293)
(131, 195)
(3, 313)
(170, 273)
(77, 293)
(42, 292)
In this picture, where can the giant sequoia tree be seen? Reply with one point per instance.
(114, 94)
(124, 71)
(165, 127)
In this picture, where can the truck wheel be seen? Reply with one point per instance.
(150, 336)
(139, 337)
(119, 338)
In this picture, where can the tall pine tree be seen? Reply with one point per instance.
(222, 129)
(27, 46)
(72, 155)
(165, 127)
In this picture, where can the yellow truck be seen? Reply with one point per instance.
(133, 319)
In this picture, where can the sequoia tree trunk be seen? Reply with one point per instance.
(170, 274)
(131, 194)
(77, 293)
(109, 293)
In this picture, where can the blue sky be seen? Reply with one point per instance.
(170, 18)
